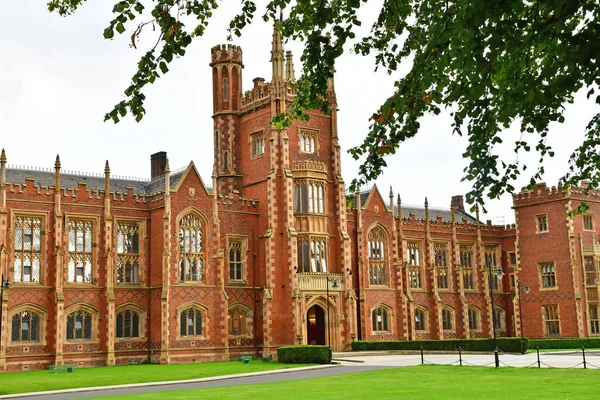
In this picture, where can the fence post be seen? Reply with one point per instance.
(460, 355)
(583, 353)
(422, 358)
(537, 349)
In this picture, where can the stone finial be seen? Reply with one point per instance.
(426, 202)
(167, 168)
(106, 168)
(57, 162)
(290, 75)
(3, 157)
(277, 54)
(399, 200)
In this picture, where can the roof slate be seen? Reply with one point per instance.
(69, 180)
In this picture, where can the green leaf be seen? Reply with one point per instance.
(163, 67)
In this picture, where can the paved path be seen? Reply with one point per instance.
(347, 363)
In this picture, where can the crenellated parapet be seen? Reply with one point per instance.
(39, 184)
(260, 93)
(226, 52)
(540, 193)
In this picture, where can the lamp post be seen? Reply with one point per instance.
(5, 285)
(494, 270)
(335, 285)
(527, 289)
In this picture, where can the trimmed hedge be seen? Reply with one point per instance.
(302, 354)
(570, 343)
(508, 345)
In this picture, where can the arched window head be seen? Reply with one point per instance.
(26, 327)
(237, 320)
(128, 324)
(380, 318)
(191, 249)
(499, 318)
(420, 320)
(474, 323)
(79, 325)
(190, 322)
(447, 319)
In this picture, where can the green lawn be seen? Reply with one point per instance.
(35, 381)
(422, 382)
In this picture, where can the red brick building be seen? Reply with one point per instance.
(270, 251)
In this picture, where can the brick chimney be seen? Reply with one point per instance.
(157, 164)
(458, 203)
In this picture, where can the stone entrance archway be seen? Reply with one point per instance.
(315, 325)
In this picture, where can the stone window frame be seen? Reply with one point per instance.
(313, 199)
(257, 142)
(95, 220)
(544, 308)
(385, 312)
(313, 239)
(474, 318)
(204, 312)
(381, 261)
(541, 223)
(142, 315)
(468, 269)
(95, 317)
(311, 133)
(244, 257)
(510, 257)
(248, 320)
(499, 318)
(414, 265)
(141, 222)
(550, 277)
(446, 312)
(588, 221)
(43, 321)
(590, 274)
(594, 323)
(45, 217)
(203, 253)
(424, 321)
(491, 256)
(442, 268)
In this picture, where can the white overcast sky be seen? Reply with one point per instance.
(59, 76)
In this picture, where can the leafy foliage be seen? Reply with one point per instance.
(508, 345)
(493, 63)
(567, 343)
(302, 354)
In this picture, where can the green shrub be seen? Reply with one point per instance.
(569, 343)
(302, 354)
(508, 345)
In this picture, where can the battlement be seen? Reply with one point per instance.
(542, 193)
(260, 91)
(226, 53)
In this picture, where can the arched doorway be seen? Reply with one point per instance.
(315, 325)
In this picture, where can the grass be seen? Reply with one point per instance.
(35, 381)
(420, 382)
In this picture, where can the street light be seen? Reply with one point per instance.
(5, 285)
(494, 270)
(335, 285)
(527, 289)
